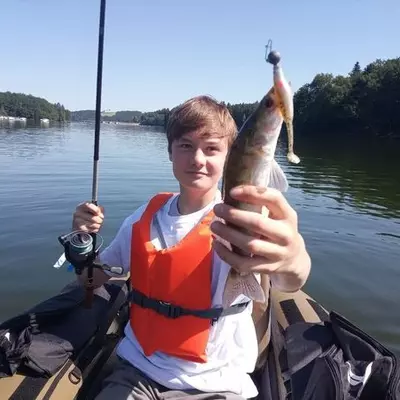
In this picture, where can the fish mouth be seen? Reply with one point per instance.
(278, 101)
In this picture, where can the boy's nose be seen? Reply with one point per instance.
(199, 158)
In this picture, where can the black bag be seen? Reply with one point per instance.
(39, 341)
(336, 360)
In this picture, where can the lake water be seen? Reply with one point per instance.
(346, 194)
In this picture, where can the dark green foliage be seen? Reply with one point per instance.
(31, 107)
(365, 101)
(157, 118)
(83, 115)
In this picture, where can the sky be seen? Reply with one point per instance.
(159, 53)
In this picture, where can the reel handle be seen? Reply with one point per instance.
(115, 270)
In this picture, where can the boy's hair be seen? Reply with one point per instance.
(201, 112)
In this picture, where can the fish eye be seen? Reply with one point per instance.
(269, 102)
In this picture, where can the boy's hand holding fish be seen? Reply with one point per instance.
(277, 247)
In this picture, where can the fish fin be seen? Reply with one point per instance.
(218, 238)
(277, 179)
(237, 285)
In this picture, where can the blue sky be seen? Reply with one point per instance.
(159, 53)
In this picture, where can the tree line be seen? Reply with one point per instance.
(364, 101)
(156, 118)
(31, 107)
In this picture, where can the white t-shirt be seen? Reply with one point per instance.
(232, 348)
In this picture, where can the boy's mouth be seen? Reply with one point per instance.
(196, 173)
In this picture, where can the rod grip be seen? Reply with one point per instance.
(89, 297)
(89, 288)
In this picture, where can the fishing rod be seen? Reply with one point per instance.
(98, 102)
(80, 247)
(96, 150)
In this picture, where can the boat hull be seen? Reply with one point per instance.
(81, 379)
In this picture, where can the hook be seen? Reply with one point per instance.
(268, 49)
(271, 56)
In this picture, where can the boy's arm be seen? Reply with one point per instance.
(295, 278)
(117, 254)
(112, 256)
(89, 218)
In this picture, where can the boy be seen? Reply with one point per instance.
(167, 247)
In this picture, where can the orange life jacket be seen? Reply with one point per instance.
(179, 275)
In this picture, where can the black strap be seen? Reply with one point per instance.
(172, 311)
(88, 353)
(291, 311)
(117, 291)
(29, 388)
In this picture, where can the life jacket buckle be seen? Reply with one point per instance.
(169, 310)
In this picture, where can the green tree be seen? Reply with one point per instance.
(31, 107)
(364, 101)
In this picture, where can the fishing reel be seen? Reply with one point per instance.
(81, 252)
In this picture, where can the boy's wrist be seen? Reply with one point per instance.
(294, 278)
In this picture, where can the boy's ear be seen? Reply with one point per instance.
(170, 156)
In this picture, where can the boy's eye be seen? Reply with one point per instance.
(187, 146)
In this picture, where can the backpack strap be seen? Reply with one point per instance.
(117, 300)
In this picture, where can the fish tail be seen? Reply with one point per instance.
(247, 285)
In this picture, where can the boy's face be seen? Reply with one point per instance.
(198, 161)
